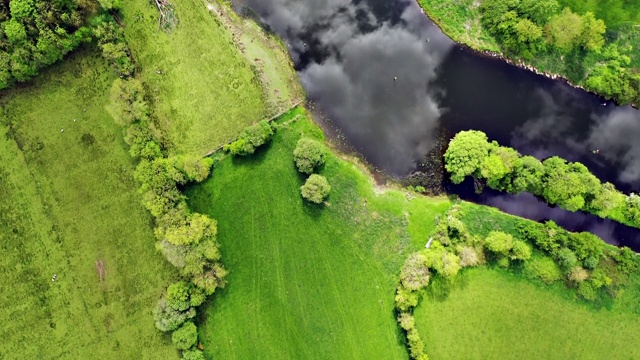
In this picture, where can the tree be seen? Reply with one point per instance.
(606, 200)
(466, 153)
(585, 245)
(168, 319)
(565, 29)
(577, 274)
(539, 11)
(498, 165)
(526, 176)
(415, 274)
(308, 155)
(251, 138)
(632, 210)
(185, 337)
(315, 189)
(196, 227)
(127, 102)
(450, 265)
(499, 243)
(182, 295)
(593, 29)
(527, 31)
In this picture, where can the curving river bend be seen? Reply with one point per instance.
(395, 89)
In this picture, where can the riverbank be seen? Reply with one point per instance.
(460, 21)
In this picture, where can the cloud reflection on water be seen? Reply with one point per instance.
(369, 68)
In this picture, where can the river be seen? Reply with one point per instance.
(394, 89)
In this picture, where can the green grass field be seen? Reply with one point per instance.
(307, 282)
(613, 12)
(204, 90)
(69, 203)
(493, 314)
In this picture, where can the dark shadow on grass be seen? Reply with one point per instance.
(254, 159)
(313, 210)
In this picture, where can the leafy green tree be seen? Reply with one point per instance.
(538, 11)
(405, 299)
(21, 8)
(168, 319)
(308, 155)
(565, 29)
(526, 176)
(466, 153)
(569, 186)
(578, 274)
(315, 189)
(612, 77)
(110, 4)
(606, 200)
(585, 245)
(632, 209)
(498, 165)
(186, 336)
(542, 268)
(251, 138)
(182, 295)
(592, 33)
(527, 31)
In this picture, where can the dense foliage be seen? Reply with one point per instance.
(568, 185)
(542, 28)
(37, 33)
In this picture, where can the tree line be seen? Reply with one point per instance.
(528, 28)
(568, 185)
(187, 239)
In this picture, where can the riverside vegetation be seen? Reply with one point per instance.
(568, 185)
(591, 43)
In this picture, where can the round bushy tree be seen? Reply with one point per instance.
(499, 243)
(308, 155)
(466, 153)
(185, 337)
(316, 189)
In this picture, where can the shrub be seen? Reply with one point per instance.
(450, 265)
(315, 189)
(182, 295)
(632, 210)
(590, 262)
(185, 337)
(193, 355)
(543, 268)
(566, 258)
(520, 251)
(251, 138)
(499, 243)
(627, 260)
(585, 245)
(308, 155)
(127, 102)
(416, 345)
(587, 291)
(578, 274)
(503, 262)
(415, 274)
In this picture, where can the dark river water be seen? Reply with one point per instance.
(390, 86)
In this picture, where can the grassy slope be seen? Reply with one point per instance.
(205, 91)
(306, 282)
(65, 204)
(497, 315)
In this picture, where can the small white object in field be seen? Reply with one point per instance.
(55, 276)
(74, 120)
(62, 130)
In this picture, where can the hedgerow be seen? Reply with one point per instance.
(187, 239)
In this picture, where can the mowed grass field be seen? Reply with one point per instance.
(69, 206)
(307, 282)
(204, 90)
(493, 314)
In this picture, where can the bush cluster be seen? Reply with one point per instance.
(309, 155)
(187, 239)
(251, 138)
(568, 185)
(37, 33)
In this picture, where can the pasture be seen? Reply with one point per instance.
(305, 281)
(69, 207)
(494, 314)
(208, 79)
